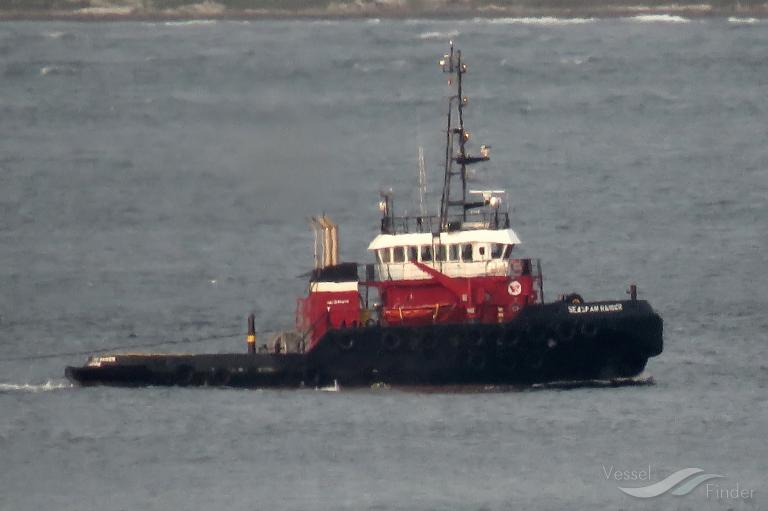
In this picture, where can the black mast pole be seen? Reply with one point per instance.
(447, 67)
(462, 138)
(452, 64)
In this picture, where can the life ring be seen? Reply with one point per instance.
(344, 342)
(184, 375)
(476, 360)
(391, 341)
(589, 329)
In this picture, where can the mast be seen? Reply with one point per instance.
(422, 182)
(455, 132)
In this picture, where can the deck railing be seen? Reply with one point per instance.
(431, 223)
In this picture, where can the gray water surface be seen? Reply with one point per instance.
(156, 181)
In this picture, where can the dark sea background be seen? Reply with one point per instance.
(156, 181)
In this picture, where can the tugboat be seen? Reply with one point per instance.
(445, 303)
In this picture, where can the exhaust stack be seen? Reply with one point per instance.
(327, 240)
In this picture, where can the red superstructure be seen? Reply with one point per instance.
(444, 299)
(333, 302)
(453, 267)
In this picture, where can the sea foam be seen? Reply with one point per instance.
(34, 387)
(189, 23)
(658, 18)
(743, 21)
(439, 35)
(546, 20)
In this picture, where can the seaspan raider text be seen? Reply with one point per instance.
(583, 309)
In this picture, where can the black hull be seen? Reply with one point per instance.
(553, 342)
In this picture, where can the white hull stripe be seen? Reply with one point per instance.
(504, 236)
(324, 287)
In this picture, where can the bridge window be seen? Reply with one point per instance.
(384, 255)
(440, 253)
(453, 252)
(398, 255)
(481, 253)
(426, 253)
(496, 250)
(508, 251)
(413, 253)
(466, 252)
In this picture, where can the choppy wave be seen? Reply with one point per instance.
(743, 21)
(375, 67)
(545, 20)
(106, 10)
(188, 23)
(33, 387)
(641, 379)
(55, 34)
(57, 70)
(439, 35)
(575, 61)
(658, 18)
(331, 388)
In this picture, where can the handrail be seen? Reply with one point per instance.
(431, 223)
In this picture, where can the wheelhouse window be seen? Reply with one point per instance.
(440, 253)
(426, 253)
(384, 255)
(508, 251)
(497, 249)
(453, 252)
(481, 253)
(413, 253)
(466, 252)
(398, 255)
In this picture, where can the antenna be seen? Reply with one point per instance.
(422, 181)
(456, 135)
